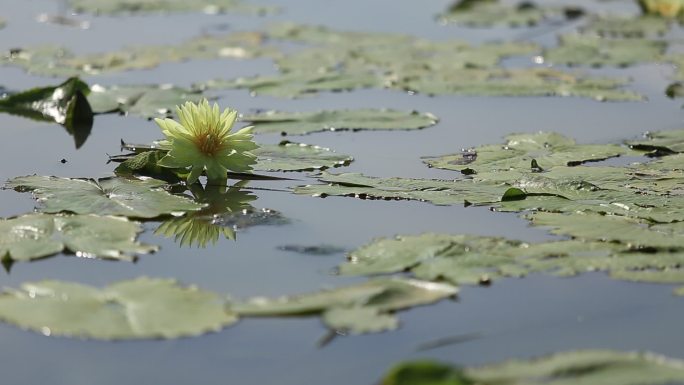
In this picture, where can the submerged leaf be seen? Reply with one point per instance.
(37, 236)
(65, 104)
(300, 123)
(143, 308)
(596, 367)
(107, 196)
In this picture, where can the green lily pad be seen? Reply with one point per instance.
(629, 232)
(300, 123)
(598, 367)
(595, 51)
(143, 308)
(146, 101)
(359, 308)
(58, 61)
(36, 236)
(626, 27)
(660, 142)
(298, 84)
(147, 6)
(548, 149)
(65, 104)
(438, 192)
(288, 156)
(359, 320)
(486, 13)
(107, 196)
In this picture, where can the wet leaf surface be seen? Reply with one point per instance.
(144, 308)
(626, 27)
(145, 101)
(289, 156)
(359, 308)
(660, 142)
(300, 123)
(439, 192)
(107, 196)
(595, 51)
(65, 104)
(548, 149)
(36, 236)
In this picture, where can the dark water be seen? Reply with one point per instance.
(514, 318)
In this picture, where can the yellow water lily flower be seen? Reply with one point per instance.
(203, 142)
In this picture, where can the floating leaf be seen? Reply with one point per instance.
(300, 123)
(37, 236)
(361, 308)
(107, 196)
(660, 142)
(58, 61)
(439, 192)
(626, 27)
(146, 6)
(298, 84)
(65, 104)
(596, 367)
(596, 51)
(146, 101)
(359, 320)
(486, 13)
(288, 156)
(608, 228)
(470, 259)
(547, 149)
(137, 309)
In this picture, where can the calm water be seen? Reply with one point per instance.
(515, 318)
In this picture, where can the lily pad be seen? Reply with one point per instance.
(146, 6)
(300, 123)
(37, 236)
(486, 13)
(143, 308)
(590, 50)
(438, 192)
(146, 101)
(288, 156)
(629, 232)
(107, 196)
(58, 61)
(359, 308)
(660, 142)
(65, 104)
(547, 149)
(598, 367)
(626, 27)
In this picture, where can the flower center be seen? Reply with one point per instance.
(208, 143)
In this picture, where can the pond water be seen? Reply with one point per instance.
(512, 318)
